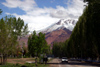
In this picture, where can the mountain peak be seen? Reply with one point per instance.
(60, 22)
(63, 23)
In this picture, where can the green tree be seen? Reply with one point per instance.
(10, 30)
(32, 44)
(84, 40)
(59, 49)
(0, 11)
(37, 44)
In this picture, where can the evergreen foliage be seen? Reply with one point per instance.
(37, 44)
(84, 41)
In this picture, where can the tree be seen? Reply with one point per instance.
(0, 11)
(32, 44)
(84, 40)
(10, 29)
(37, 44)
(59, 49)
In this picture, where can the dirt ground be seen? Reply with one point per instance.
(20, 60)
(53, 63)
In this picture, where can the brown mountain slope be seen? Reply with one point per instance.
(57, 36)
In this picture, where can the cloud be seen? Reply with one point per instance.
(37, 22)
(73, 10)
(25, 5)
(39, 18)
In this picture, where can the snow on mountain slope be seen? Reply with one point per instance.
(68, 24)
(57, 32)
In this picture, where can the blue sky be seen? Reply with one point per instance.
(51, 3)
(39, 14)
(40, 3)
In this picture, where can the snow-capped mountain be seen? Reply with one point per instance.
(68, 24)
(57, 32)
(60, 31)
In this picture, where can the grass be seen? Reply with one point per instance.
(9, 65)
(22, 62)
(24, 65)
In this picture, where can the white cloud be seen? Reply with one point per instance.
(25, 5)
(37, 22)
(7, 13)
(39, 18)
(73, 10)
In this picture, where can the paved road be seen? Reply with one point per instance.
(57, 63)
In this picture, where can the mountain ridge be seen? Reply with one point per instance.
(57, 32)
(69, 24)
(60, 31)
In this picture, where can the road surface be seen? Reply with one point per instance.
(57, 63)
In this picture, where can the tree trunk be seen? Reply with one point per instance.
(4, 59)
(36, 61)
(1, 59)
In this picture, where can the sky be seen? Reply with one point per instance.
(39, 14)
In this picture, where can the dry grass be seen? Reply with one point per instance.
(20, 60)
